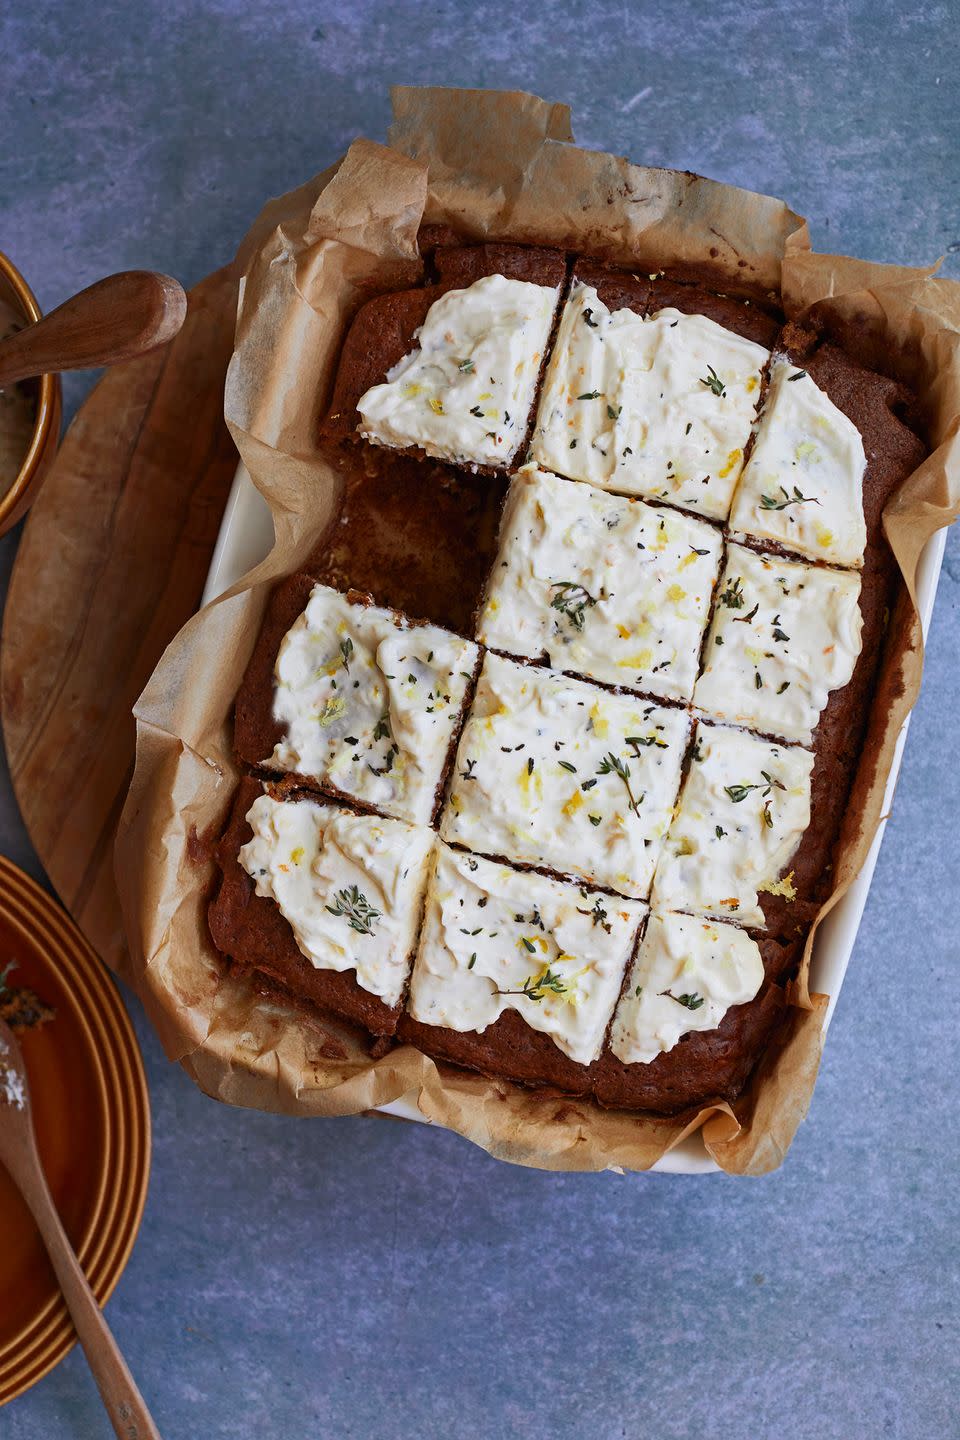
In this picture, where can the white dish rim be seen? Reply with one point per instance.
(246, 537)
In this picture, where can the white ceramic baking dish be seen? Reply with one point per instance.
(246, 535)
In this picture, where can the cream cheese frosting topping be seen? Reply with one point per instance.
(370, 704)
(349, 886)
(465, 394)
(687, 974)
(803, 483)
(660, 406)
(745, 804)
(784, 635)
(611, 588)
(558, 773)
(495, 938)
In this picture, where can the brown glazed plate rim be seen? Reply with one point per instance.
(92, 1115)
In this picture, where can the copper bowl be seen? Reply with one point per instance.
(15, 501)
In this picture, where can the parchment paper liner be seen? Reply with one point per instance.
(496, 166)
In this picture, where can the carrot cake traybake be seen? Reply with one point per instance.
(547, 749)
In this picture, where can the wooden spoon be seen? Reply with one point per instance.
(116, 319)
(18, 1151)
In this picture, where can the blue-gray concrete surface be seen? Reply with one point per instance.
(360, 1278)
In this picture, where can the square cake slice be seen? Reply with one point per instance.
(702, 1065)
(465, 392)
(610, 588)
(558, 773)
(383, 332)
(744, 806)
(322, 902)
(660, 406)
(802, 487)
(496, 939)
(784, 635)
(357, 701)
(688, 972)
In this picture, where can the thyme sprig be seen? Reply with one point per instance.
(572, 600)
(770, 502)
(612, 765)
(689, 1002)
(598, 914)
(713, 382)
(732, 595)
(356, 909)
(768, 784)
(536, 987)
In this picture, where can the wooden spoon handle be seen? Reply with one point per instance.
(124, 1404)
(116, 319)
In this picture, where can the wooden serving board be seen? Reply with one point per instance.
(111, 564)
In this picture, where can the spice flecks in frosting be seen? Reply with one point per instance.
(369, 705)
(658, 406)
(687, 974)
(495, 938)
(466, 392)
(558, 773)
(613, 589)
(349, 886)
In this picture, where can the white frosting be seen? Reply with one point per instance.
(687, 975)
(317, 861)
(611, 588)
(533, 780)
(490, 932)
(369, 708)
(793, 628)
(466, 392)
(803, 483)
(660, 407)
(724, 847)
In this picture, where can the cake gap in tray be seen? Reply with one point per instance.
(417, 535)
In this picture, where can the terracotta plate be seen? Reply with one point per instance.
(93, 1129)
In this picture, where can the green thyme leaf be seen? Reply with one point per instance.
(356, 909)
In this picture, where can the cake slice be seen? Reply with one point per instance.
(451, 370)
(354, 699)
(503, 952)
(557, 773)
(321, 902)
(784, 635)
(660, 407)
(602, 586)
(382, 332)
(744, 806)
(667, 1054)
(687, 974)
(802, 487)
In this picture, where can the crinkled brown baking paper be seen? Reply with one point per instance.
(497, 166)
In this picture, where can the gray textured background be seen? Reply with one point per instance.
(360, 1278)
